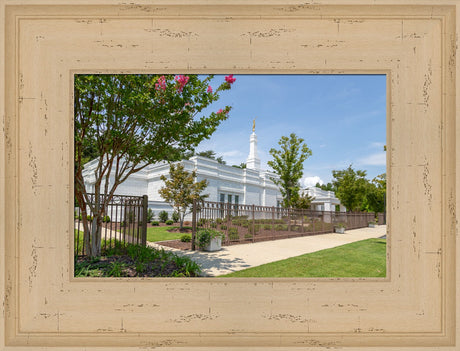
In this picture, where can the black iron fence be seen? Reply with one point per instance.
(251, 223)
(124, 221)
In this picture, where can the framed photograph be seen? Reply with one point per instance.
(45, 45)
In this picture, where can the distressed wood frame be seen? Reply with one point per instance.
(45, 42)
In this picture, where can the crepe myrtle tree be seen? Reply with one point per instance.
(181, 189)
(133, 120)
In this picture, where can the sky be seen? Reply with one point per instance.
(342, 119)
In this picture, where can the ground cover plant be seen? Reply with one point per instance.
(365, 258)
(135, 261)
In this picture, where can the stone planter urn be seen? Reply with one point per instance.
(372, 225)
(214, 245)
(339, 230)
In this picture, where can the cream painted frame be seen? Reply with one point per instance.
(45, 43)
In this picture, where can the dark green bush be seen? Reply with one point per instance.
(233, 234)
(150, 215)
(169, 222)
(223, 227)
(280, 227)
(267, 226)
(219, 221)
(175, 217)
(155, 223)
(163, 216)
(186, 238)
(131, 216)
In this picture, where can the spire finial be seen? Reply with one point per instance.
(254, 124)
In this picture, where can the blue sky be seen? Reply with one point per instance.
(342, 119)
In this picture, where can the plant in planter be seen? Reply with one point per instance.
(339, 228)
(209, 239)
(372, 224)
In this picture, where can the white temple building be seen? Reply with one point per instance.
(324, 200)
(228, 184)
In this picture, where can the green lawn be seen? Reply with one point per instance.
(153, 234)
(162, 234)
(366, 258)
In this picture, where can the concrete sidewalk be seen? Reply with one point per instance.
(237, 257)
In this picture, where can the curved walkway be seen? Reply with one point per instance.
(237, 257)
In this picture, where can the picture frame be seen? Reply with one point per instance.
(413, 42)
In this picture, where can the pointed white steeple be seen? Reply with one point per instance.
(253, 161)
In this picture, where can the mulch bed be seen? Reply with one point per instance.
(175, 244)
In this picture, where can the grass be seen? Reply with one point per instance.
(162, 234)
(135, 261)
(153, 234)
(366, 258)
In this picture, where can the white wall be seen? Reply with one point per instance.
(252, 186)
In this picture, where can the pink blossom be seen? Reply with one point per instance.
(220, 111)
(161, 83)
(181, 80)
(229, 79)
(209, 89)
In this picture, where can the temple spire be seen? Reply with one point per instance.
(253, 161)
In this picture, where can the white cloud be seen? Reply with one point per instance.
(231, 153)
(311, 181)
(378, 159)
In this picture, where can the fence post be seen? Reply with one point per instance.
(193, 225)
(302, 213)
(322, 221)
(253, 224)
(145, 205)
(289, 221)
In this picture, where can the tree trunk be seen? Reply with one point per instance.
(96, 228)
(181, 219)
(96, 236)
(86, 233)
